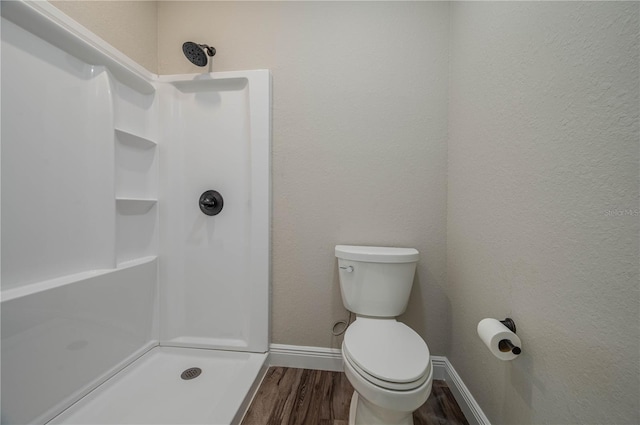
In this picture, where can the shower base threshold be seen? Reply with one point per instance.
(151, 390)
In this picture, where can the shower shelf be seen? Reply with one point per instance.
(134, 140)
(130, 206)
(205, 82)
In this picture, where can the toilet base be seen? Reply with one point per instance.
(362, 412)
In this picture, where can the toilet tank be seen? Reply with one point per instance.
(376, 281)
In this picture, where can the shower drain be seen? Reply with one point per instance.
(191, 373)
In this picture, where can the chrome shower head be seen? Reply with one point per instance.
(195, 52)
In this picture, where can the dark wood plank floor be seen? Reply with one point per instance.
(313, 397)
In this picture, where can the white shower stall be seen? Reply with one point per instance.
(114, 282)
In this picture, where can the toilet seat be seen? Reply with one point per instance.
(387, 353)
(393, 386)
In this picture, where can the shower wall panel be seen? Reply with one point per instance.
(79, 215)
(62, 342)
(215, 269)
(57, 176)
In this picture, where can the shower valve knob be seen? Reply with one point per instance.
(211, 202)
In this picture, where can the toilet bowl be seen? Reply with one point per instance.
(387, 362)
(389, 367)
(372, 405)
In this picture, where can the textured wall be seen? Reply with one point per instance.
(543, 143)
(129, 26)
(359, 141)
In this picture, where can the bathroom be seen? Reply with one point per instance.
(500, 140)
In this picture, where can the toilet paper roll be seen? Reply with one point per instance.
(491, 332)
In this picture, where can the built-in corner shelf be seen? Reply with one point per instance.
(137, 261)
(136, 190)
(206, 82)
(129, 206)
(136, 165)
(134, 140)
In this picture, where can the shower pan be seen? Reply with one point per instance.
(136, 289)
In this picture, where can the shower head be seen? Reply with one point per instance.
(195, 52)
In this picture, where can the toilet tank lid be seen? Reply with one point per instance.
(377, 254)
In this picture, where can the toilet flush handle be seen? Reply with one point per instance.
(347, 269)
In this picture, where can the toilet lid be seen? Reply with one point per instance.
(387, 350)
(395, 386)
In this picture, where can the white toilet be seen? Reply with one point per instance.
(386, 361)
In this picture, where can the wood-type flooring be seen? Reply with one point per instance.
(290, 396)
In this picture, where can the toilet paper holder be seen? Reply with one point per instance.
(505, 345)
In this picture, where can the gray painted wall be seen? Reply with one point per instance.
(543, 143)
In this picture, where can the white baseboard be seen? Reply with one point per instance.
(439, 369)
(302, 357)
(443, 369)
(320, 358)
